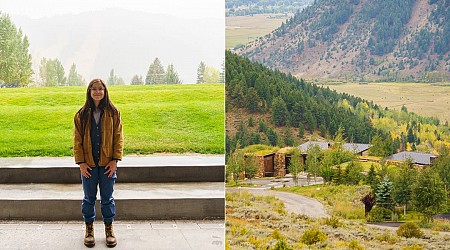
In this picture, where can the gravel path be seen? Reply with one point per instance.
(304, 205)
(293, 202)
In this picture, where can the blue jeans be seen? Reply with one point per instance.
(108, 207)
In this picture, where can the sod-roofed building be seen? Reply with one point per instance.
(357, 148)
(419, 158)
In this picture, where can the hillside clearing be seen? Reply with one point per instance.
(424, 99)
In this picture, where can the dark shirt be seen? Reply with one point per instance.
(96, 137)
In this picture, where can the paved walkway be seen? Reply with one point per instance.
(135, 161)
(158, 235)
(155, 234)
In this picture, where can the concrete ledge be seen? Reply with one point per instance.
(138, 201)
(135, 209)
(132, 169)
(126, 174)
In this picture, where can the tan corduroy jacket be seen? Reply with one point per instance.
(111, 144)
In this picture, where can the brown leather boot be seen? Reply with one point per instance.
(110, 238)
(89, 239)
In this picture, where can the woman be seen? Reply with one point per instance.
(98, 146)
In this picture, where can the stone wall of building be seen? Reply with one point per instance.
(260, 161)
(280, 165)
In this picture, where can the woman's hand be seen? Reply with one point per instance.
(84, 170)
(111, 168)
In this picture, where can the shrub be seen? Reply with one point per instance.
(354, 245)
(409, 230)
(282, 245)
(333, 222)
(387, 237)
(379, 214)
(413, 247)
(313, 236)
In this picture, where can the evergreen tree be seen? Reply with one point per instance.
(252, 100)
(279, 111)
(171, 76)
(222, 73)
(137, 80)
(301, 131)
(272, 136)
(255, 138)
(201, 72)
(384, 194)
(372, 179)
(250, 122)
(354, 174)
(337, 176)
(155, 73)
(74, 79)
(262, 126)
(113, 79)
(288, 140)
(242, 135)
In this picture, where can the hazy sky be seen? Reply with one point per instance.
(179, 8)
(194, 45)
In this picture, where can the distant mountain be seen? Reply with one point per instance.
(251, 7)
(361, 40)
(126, 41)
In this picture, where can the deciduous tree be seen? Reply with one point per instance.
(15, 60)
(428, 194)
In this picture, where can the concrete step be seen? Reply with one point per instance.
(134, 201)
(132, 169)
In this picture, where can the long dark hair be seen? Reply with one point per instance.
(89, 105)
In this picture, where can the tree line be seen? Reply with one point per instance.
(16, 66)
(292, 102)
(296, 107)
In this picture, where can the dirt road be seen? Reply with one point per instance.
(293, 202)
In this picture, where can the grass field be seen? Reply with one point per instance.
(420, 98)
(163, 118)
(243, 29)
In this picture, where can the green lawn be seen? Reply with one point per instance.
(185, 118)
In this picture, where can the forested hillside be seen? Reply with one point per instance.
(251, 7)
(269, 107)
(361, 40)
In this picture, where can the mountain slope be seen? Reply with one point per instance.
(361, 40)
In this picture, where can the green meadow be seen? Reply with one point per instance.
(184, 118)
(421, 98)
(244, 29)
